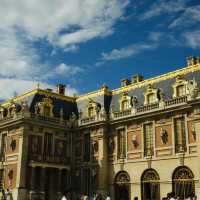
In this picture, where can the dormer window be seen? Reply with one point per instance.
(181, 90)
(151, 95)
(125, 102)
(45, 108)
(47, 111)
(125, 105)
(91, 112)
(93, 108)
(151, 98)
(180, 87)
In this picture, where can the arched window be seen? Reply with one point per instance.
(150, 185)
(183, 182)
(122, 186)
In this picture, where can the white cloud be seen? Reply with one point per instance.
(191, 16)
(16, 59)
(163, 6)
(71, 48)
(10, 87)
(67, 70)
(63, 23)
(126, 52)
(192, 39)
(155, 36)
(54, 19)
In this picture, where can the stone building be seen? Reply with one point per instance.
(140, 140)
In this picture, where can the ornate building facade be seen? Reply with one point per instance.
(140, 140)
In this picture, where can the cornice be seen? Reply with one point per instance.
(100, 92)
(42, 92)
(157, 79)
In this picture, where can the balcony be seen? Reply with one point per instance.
(178, 100)
(37, 117)
(49, 159)
(150, 108)
(147, 108)
(88, 120)
(122, 113)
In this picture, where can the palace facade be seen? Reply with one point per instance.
(140, 140)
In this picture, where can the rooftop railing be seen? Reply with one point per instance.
(28, 115)
(150, 107)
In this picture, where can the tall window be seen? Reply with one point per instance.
(3, 145)
(86, 181)
(87, 147)
(148, 139)
(121, 143)
(180, 137)
(125, 105)
(48, 144)
(180, 90)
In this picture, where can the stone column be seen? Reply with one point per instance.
(42, 180)
(102, 162)
(59, 180)
(32, 182)
(197, 185)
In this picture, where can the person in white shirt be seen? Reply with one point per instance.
(108, 198)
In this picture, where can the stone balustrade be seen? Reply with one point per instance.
(150, 108)
(28, 115)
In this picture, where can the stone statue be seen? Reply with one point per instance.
(134, 101)
(192, 88)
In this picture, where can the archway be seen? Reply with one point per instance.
(183, 182)
(122, 186)
(150, 185)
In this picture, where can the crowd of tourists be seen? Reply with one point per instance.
(70, 195)
(172, 196)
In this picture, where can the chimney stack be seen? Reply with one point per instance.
(61, 89)
(193, 60)
(137, 78)
(125, 82)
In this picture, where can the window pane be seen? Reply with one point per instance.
(180, 90)
(121, 143)
(148, 139)
(151, 98)
(125, 105)
(179, 131)
(90, 111)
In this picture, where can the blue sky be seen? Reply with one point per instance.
(87, 43)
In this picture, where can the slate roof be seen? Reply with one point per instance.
(59, 103)
(108, 99)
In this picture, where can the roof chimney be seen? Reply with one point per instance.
(125, 82)
(193, 60)
(137, 78)
(61, 89)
